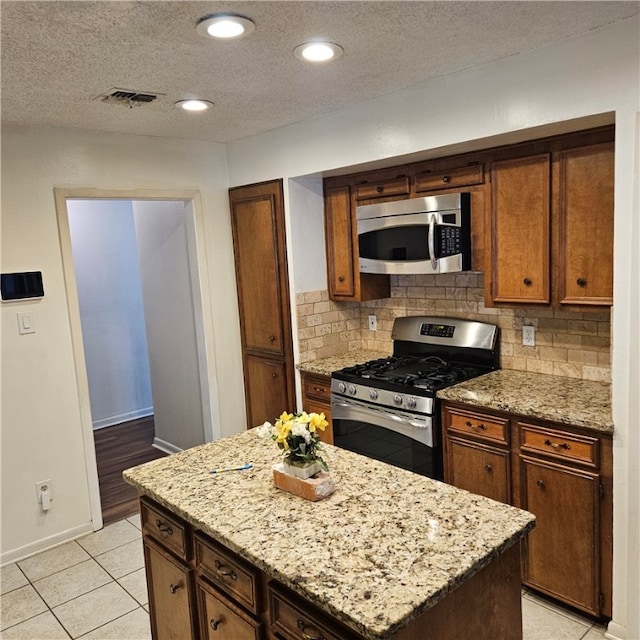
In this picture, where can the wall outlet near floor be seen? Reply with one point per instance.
(373, 323)
(528, 336)
(44, 493)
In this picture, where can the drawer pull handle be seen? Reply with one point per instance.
(214, 624)
(540, 484)
(225, 571)
(315, 635)
(479, 427)
(164, 528)
(319, 389)
(488, 468)
(174, 587)
(555, 445)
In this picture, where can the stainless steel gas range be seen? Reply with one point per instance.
(387, 408)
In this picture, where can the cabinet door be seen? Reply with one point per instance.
(520, 229)
(479, 468)
(220, 619)
(586, 225)
(171, 601)
(562, 551)
(340, 238)
(265, 389)
(260, 277)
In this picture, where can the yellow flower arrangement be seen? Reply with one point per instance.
(297, 435)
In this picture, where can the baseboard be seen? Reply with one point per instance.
(167, 447)
(122, 417)
(28, 550)
(615, 631)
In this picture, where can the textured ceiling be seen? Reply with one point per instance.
(58, 56)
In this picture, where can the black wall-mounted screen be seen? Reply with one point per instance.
(16, 286)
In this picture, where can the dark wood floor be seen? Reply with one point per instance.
(118, 448)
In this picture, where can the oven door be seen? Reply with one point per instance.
(405, 440)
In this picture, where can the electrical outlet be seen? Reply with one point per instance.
(373, 323)
(44, 493)
(528, 336)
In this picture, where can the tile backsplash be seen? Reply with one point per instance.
(572, 344)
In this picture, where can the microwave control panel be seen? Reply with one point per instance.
(450, 241)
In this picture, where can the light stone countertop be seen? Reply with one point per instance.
(326, 366)
(386, 546)
(571, 401)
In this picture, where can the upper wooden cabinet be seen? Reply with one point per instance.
(427, 179)
(343, 270)
(585, 225)
(549, 226)
(520, 224)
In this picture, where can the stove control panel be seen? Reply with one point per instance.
(437, 330)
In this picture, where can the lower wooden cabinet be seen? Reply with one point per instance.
(316, 397)
(560, 473)
(171, 595)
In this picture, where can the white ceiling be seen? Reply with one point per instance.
(58, 56)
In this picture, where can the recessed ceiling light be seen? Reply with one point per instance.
(194, 104)
(225, 26)
(318, 51)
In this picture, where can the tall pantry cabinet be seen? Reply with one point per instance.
(259, 244)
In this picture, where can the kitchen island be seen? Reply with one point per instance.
(390, 554)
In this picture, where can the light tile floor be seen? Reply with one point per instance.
(94, 588)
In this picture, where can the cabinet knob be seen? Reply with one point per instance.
(274, 375)
(312, 634)
(272, 338)
(527, 282)
(214, 624)
(581, 282)
(174, 587)
(446, 178)
(225, 570)
(540, 484)
(164, 528)
(488, 468)
(379, 189)
(341, 278)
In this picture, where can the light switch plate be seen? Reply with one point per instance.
(26, 323)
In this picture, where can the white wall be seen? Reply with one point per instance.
(105, 258)
(41, 408)
(560, 88)
(162, 232)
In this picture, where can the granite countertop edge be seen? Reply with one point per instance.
(567, 401)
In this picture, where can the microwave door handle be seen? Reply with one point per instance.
(432, 242)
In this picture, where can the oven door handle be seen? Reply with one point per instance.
(350, 410)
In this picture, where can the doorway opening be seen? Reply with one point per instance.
(139, 329)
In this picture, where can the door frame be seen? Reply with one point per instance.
(202, 312)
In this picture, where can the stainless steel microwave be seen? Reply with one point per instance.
(419, 235)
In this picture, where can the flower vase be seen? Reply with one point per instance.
(302, 470)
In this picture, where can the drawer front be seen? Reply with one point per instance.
(450, 178)
(318, 387)
(235, 577)
(383, 188)
(482, 426)
(220, 619)
(560, 445)
(294, 619)
(170, 532)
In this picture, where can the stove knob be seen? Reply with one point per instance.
(411, 403)
(352, 389)
(342, 387)
(373, 394)
(397, 398)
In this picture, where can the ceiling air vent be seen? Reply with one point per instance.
(128, 98)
